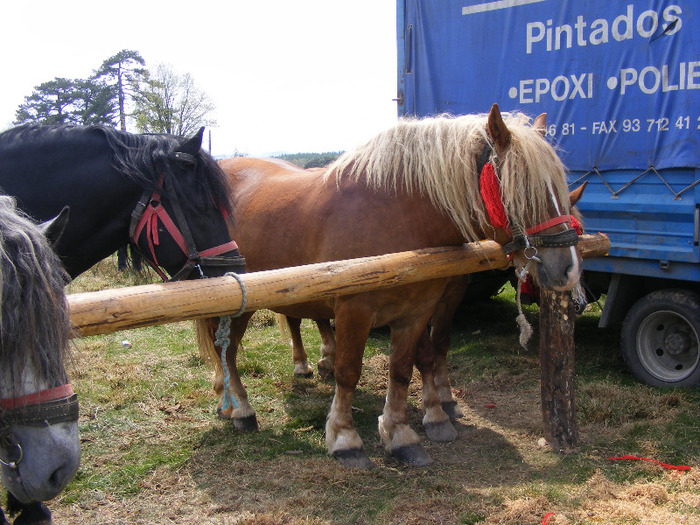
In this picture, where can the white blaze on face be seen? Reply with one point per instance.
(574, 272)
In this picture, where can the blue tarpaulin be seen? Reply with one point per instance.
(619, 80)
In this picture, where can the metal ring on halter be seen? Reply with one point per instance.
(244, 293)
(534, 252)
(13, 464)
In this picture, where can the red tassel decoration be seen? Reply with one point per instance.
(491, 193)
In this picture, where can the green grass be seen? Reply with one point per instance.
(154, 452)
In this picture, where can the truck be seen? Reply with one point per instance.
(620, 83)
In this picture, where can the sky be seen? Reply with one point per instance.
(285, 75)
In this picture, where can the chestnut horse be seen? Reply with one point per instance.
(414, 186)
(440, 331)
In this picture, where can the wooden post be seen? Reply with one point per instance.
(107, 311)
(557, 370)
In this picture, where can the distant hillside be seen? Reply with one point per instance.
(310, 160)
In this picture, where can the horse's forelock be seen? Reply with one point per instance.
(532, 175)
(35, 326)
(213, 181)
(153, 154)
(437, 157)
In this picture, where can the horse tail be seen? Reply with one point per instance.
(284, 328)
(204, 331)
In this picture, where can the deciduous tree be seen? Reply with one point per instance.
(171, 103)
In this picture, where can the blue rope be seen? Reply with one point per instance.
(244, 293)
(223, 341)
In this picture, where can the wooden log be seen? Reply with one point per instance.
(109, 311)
(557, 370)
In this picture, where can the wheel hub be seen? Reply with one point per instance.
(676, 342)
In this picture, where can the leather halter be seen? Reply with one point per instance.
(532, 238)
(40, 409)
(149, 211)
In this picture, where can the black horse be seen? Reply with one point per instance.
(161, 193)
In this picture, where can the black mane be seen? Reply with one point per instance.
(141, 158)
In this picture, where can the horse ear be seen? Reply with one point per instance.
(540, 124)
(497, 128)
(54, 228)
(575, 195)
(193, 144)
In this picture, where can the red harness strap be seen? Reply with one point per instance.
(149, 220)
(43, 396)
(218, 250)
(554, 222)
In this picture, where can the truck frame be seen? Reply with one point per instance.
(620, 82)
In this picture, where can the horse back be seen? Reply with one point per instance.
(286, 216)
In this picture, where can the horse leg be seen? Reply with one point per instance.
(240, 412)
(396, 434)
(326, 364)
(343, 441)
(33, 513)
(301, 361)
(441, 326)
(436, 422)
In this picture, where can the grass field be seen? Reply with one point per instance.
(153, 451)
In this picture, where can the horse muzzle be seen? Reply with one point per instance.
(39, 444)
(559, 269)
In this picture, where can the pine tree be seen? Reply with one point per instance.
(123, 74)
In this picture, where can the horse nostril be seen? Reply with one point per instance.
(60, 477)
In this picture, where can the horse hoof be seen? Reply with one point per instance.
(325, 373)
(452, 410)
(413, 455)
(246, 424)
(304, 375)
(441, 432)
(354, 458)
(224, 415)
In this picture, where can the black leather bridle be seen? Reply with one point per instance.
(149, 211)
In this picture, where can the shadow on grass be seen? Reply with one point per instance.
(241, 477)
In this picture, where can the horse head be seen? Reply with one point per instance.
(535, 222)
(181, 225)
(39, 443)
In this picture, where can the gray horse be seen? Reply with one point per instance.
(39, 443)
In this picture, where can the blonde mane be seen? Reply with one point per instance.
(437, 157)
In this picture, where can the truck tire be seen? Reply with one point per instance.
(661, 339)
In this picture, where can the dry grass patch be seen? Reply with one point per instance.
(154, 452)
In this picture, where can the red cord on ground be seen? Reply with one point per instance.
(545, 520)
(664, 465)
